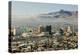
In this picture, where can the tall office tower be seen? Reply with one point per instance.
(13, 31)
(69, 29)
(40, 29)
(48, 29)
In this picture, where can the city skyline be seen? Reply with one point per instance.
(42, 27)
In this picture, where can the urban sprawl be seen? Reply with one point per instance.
(43, 38)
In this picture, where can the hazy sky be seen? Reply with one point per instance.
(26, 9)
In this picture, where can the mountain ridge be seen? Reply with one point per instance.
(60, 14)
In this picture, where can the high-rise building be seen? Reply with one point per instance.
(40, 29)
(13, 31)
(69, 29)
(48, 29)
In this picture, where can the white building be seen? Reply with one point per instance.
(13, 31)
(26, 34)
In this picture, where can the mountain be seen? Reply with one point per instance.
(60, 14)
(61, 17)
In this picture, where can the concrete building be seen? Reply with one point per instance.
(48, 29)
(13, 31)
(69, 29)
(40, 29)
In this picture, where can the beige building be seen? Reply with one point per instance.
(40, 29)
(13, 31)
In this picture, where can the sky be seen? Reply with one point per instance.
(27, 9)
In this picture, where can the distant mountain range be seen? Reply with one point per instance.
(59, 17)
(60, 14)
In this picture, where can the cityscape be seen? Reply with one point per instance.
(43, 29)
